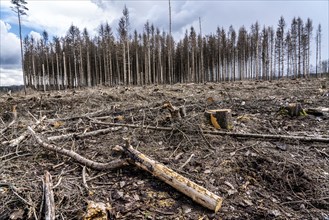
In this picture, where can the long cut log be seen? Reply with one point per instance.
(324, 139)
(198, 193)
(49, 197)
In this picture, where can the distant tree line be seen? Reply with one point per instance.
(153, 57)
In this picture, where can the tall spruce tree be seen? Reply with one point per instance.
(19, 7)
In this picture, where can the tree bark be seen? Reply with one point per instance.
(196, 192)
(49, 197)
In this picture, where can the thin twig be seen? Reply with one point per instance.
(84, 177)
(10, 186)
(206, 140)
(186, 162)
(58, 183)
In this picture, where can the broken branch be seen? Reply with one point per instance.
(115, 164)
(18, 140)
(49, 197)
(83, 135)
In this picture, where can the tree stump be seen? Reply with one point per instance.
(220, 118)
(175, 112)
(295, 109)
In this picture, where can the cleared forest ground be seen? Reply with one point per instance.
(257, 178)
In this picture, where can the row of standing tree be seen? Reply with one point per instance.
(153, 57)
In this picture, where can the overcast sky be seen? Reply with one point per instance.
(55, 16)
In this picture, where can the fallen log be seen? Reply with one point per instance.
(225, 133)
(49, 197)
(91, 114)
(198, 193)
(115, 164)
(269, 136)
(83, 135)
(317, 111)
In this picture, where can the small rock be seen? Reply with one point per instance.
(274, 200)
(275, 213)
(231, 191)
(207, 171)
(186, 209)
(248, 202)
(140, 182)
(117, 194)
(122, 184)
(136, 197)
(18, 214)
(281, 146)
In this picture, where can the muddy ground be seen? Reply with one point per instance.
(257, 178)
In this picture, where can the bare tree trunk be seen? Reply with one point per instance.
(128, 59)
(124, 63)
(57, 74)
(88, 68)
(34, 73)
(52, 83)
(118, 68)
(202, 75)
(22, 58)
(137, 67)
(82, 80)
(169, 48)
(149, 61)
(65, 73)
(110, 68)
(95, 75)
(43, 78)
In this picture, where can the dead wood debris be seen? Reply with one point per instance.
(82, 160)
(245, 166)
(49, 197)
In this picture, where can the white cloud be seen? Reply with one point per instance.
(10, 47)
(9, 77)
(35, 35)
(56, 16)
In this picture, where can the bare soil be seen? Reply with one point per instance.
(258, 178)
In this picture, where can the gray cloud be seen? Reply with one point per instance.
(10, 49)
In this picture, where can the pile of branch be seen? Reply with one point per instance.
(198, 193)
(130, 156)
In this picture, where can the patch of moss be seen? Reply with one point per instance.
(302, 113)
